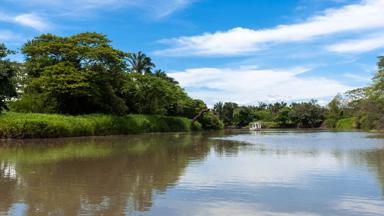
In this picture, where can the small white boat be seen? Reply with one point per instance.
(255, 126)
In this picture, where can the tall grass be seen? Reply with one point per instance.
(32, 125)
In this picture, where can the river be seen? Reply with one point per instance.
(272, 172)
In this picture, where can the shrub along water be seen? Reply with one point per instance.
(32, 125)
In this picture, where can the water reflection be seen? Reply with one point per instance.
(94, 176)
(226, 173)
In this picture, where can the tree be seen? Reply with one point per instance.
(371, 106)
(377, 89)
(210, 121)
(218, 108)
(307, 114)
(140, 63)
(149, 94)
(228, 110)
(242, 116)
(7, 74)
(78, 74)
(282, 117)
(163, 75)
(225, 111)
(275, 107)
(334, 111)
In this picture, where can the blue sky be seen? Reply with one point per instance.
(243, 51)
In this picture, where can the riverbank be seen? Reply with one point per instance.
(33, 125)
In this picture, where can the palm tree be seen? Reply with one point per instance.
(140, 63)
(163, 75)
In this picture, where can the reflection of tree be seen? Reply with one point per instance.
(109, 175)
(375, 160)
(225, 147)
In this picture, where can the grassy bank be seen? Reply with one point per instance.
(32, 125)
(346, 124)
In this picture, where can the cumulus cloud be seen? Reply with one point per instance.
(248, 86)
(366, 15)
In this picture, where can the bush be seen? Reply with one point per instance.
(36, 103)
(211, 122)
(28, 125)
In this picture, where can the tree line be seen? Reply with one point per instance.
(274, 115)
(83, 74)
(361, 108)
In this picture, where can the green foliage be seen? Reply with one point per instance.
(28, 125)
(334, 108)
(282, 118)
(367, 104)
(242, 116)
(78, 74)
(268, 124)
(225, 111)
(359, 108)
(148, 94)
(210, 121)
(84, 74)
(330, 123)
(277, 115)
(189, 108)
(371, 113)
(140, 63)
(163, 75)
(34, 103)
(7, 75)
(378, 80)
(265, 115)
(346, 124)
(307, 114)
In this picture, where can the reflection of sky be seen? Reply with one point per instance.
(246, 169)
(18, 209)
(280, 174)
(361, 205)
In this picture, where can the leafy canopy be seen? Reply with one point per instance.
(7, 75)
(79, 74)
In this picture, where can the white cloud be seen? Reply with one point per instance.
(248, 86)
(359, 45)
(32, 20)
(351, 18)
(28, 19)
